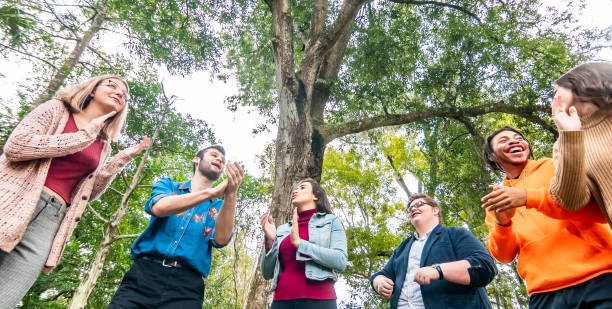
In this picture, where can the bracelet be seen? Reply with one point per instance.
(439, 269)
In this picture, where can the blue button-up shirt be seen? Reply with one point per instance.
(187, 236)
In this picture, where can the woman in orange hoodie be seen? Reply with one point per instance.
(564, 257)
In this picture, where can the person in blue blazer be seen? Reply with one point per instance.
(437, 267)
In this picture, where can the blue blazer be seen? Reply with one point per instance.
(445, 244)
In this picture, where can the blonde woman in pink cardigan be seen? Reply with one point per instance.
(54, 163)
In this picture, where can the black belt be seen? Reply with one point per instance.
(166, 262)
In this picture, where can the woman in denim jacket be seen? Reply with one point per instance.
(304, 258)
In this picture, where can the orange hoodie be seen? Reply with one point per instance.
(552, 253)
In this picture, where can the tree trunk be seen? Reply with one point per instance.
(68, 65)
(88, 282)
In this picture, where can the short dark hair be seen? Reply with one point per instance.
(428, 199)
(488, 149)
(322, 201)
(590, 82)
(202, 151)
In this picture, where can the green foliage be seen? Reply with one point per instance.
(179, 34)
(361, 192)
(14, 22)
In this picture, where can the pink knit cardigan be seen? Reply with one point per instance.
(23, 169)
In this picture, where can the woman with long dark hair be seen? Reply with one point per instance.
(304, 255)
(582, 111)
(54, 163)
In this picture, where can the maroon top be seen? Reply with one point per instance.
(292, 282)
(65, 172)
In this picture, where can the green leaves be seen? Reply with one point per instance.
(15, 22)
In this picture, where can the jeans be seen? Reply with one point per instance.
(20, 267)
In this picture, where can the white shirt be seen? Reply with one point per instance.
(410, 297)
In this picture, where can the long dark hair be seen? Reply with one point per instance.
(488, 149)
(590, 82)
(322, 202)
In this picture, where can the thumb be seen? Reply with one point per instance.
(572, 111)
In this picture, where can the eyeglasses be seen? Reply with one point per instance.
(417, 204)
(115, 86)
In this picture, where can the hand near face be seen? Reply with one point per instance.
(98, 122)
(425, 275)
(138, 148)
(566, 118)
(235, 175)
(383, 286)
(295, 231)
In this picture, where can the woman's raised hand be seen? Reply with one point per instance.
(565, 119)
(267, 224)
(98, 122)
(138, 148)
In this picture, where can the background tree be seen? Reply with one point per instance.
(344, 67)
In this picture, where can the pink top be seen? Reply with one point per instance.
(65, 172)
(24, 166)
(292, 281)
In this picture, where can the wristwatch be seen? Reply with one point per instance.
(439, 269)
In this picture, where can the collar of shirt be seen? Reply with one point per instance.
(416, 235)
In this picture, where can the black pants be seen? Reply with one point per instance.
(304, 304)
(593, 294)
(151, 285)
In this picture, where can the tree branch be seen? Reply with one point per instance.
(99, 54)
(97, 214)
(29, 55)
(322, 44)
(317, 22)
(125, 236)
(478, 139)
(529, 112)
(438, 3)
(398, 177)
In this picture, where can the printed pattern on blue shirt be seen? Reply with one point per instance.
(187, 236)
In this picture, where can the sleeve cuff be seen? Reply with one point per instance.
(535, 197)
(303, 251)
(218, 246)
(151, 202)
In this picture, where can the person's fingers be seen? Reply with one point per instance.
(491, 195)
(389, 282)
(270, 219)
(493, 203)
(573, 112)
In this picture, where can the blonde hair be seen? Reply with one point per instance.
(77, 98)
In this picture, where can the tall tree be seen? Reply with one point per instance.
(343, 67)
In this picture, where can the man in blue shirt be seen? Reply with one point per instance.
(174, 252)
(437, 267)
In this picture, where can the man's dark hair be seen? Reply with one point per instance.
(201, 153)
(322, 201)
(488, 151)
(428, 200)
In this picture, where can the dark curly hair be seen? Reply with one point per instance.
(488, 151)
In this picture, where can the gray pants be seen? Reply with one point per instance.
(20, 267)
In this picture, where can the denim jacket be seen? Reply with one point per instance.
(325, 250)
